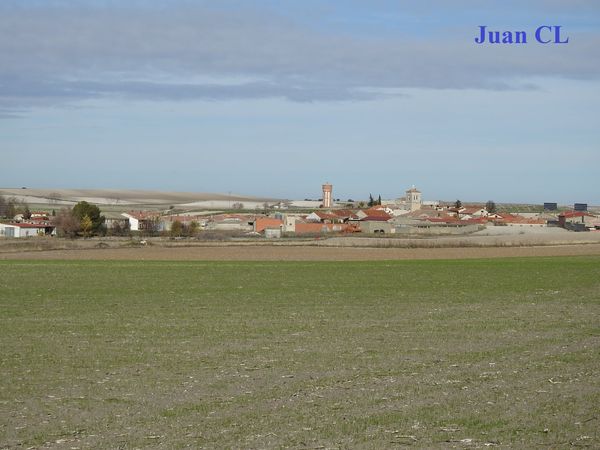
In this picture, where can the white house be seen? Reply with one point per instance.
(19, 230)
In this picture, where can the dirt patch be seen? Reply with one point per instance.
(298, 253)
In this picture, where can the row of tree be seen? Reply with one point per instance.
(179, 229)
(374, 202)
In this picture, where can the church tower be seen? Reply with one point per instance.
(413, 198)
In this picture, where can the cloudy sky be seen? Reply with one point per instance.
(275, 97)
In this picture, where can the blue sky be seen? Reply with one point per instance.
(273, 98)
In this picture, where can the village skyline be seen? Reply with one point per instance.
(271, 98)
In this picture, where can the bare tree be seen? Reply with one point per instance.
(3, 207)
(67, 225)
(152, 226)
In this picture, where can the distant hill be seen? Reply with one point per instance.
(117, 197)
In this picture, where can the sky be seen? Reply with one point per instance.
(272, 98)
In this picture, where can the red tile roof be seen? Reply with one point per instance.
(377, 212)
(29, 225)
(326, 215)
(266, 222)
(344, 213)
(378, 218)
(569, 214)
(141, 215)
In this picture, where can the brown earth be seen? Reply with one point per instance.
(301, 253)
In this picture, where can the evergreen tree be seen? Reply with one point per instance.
(82, 209)
(371, 201)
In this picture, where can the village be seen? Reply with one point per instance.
(407, 215)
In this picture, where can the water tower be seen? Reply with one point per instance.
(327, 189)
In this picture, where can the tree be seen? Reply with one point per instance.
(11, 207)
(490, 206)
(379, 200)
(82, 209)
(3, 207)
(119, 229)
(66, 224)
(176, 228)
(371, 201)
(152, 225)
(86, 225)
(194, 227)
(26, 213)
(238, 205)
(458, 204)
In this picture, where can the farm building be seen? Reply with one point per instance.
(230, 222)
(375, 225)
(321, 228)
(262, 223)
(577, 220)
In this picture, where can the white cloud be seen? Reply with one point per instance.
(56, 55)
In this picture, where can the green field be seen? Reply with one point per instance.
(428, 354)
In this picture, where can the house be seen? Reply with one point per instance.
(143, 220)
(375, 212)
(19, 230)
(321, 216)
(114, 220)
(473, 211)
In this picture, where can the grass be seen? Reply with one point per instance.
(429, 354)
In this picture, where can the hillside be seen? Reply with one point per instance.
(123, 197)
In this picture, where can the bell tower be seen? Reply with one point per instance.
(413, 198)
